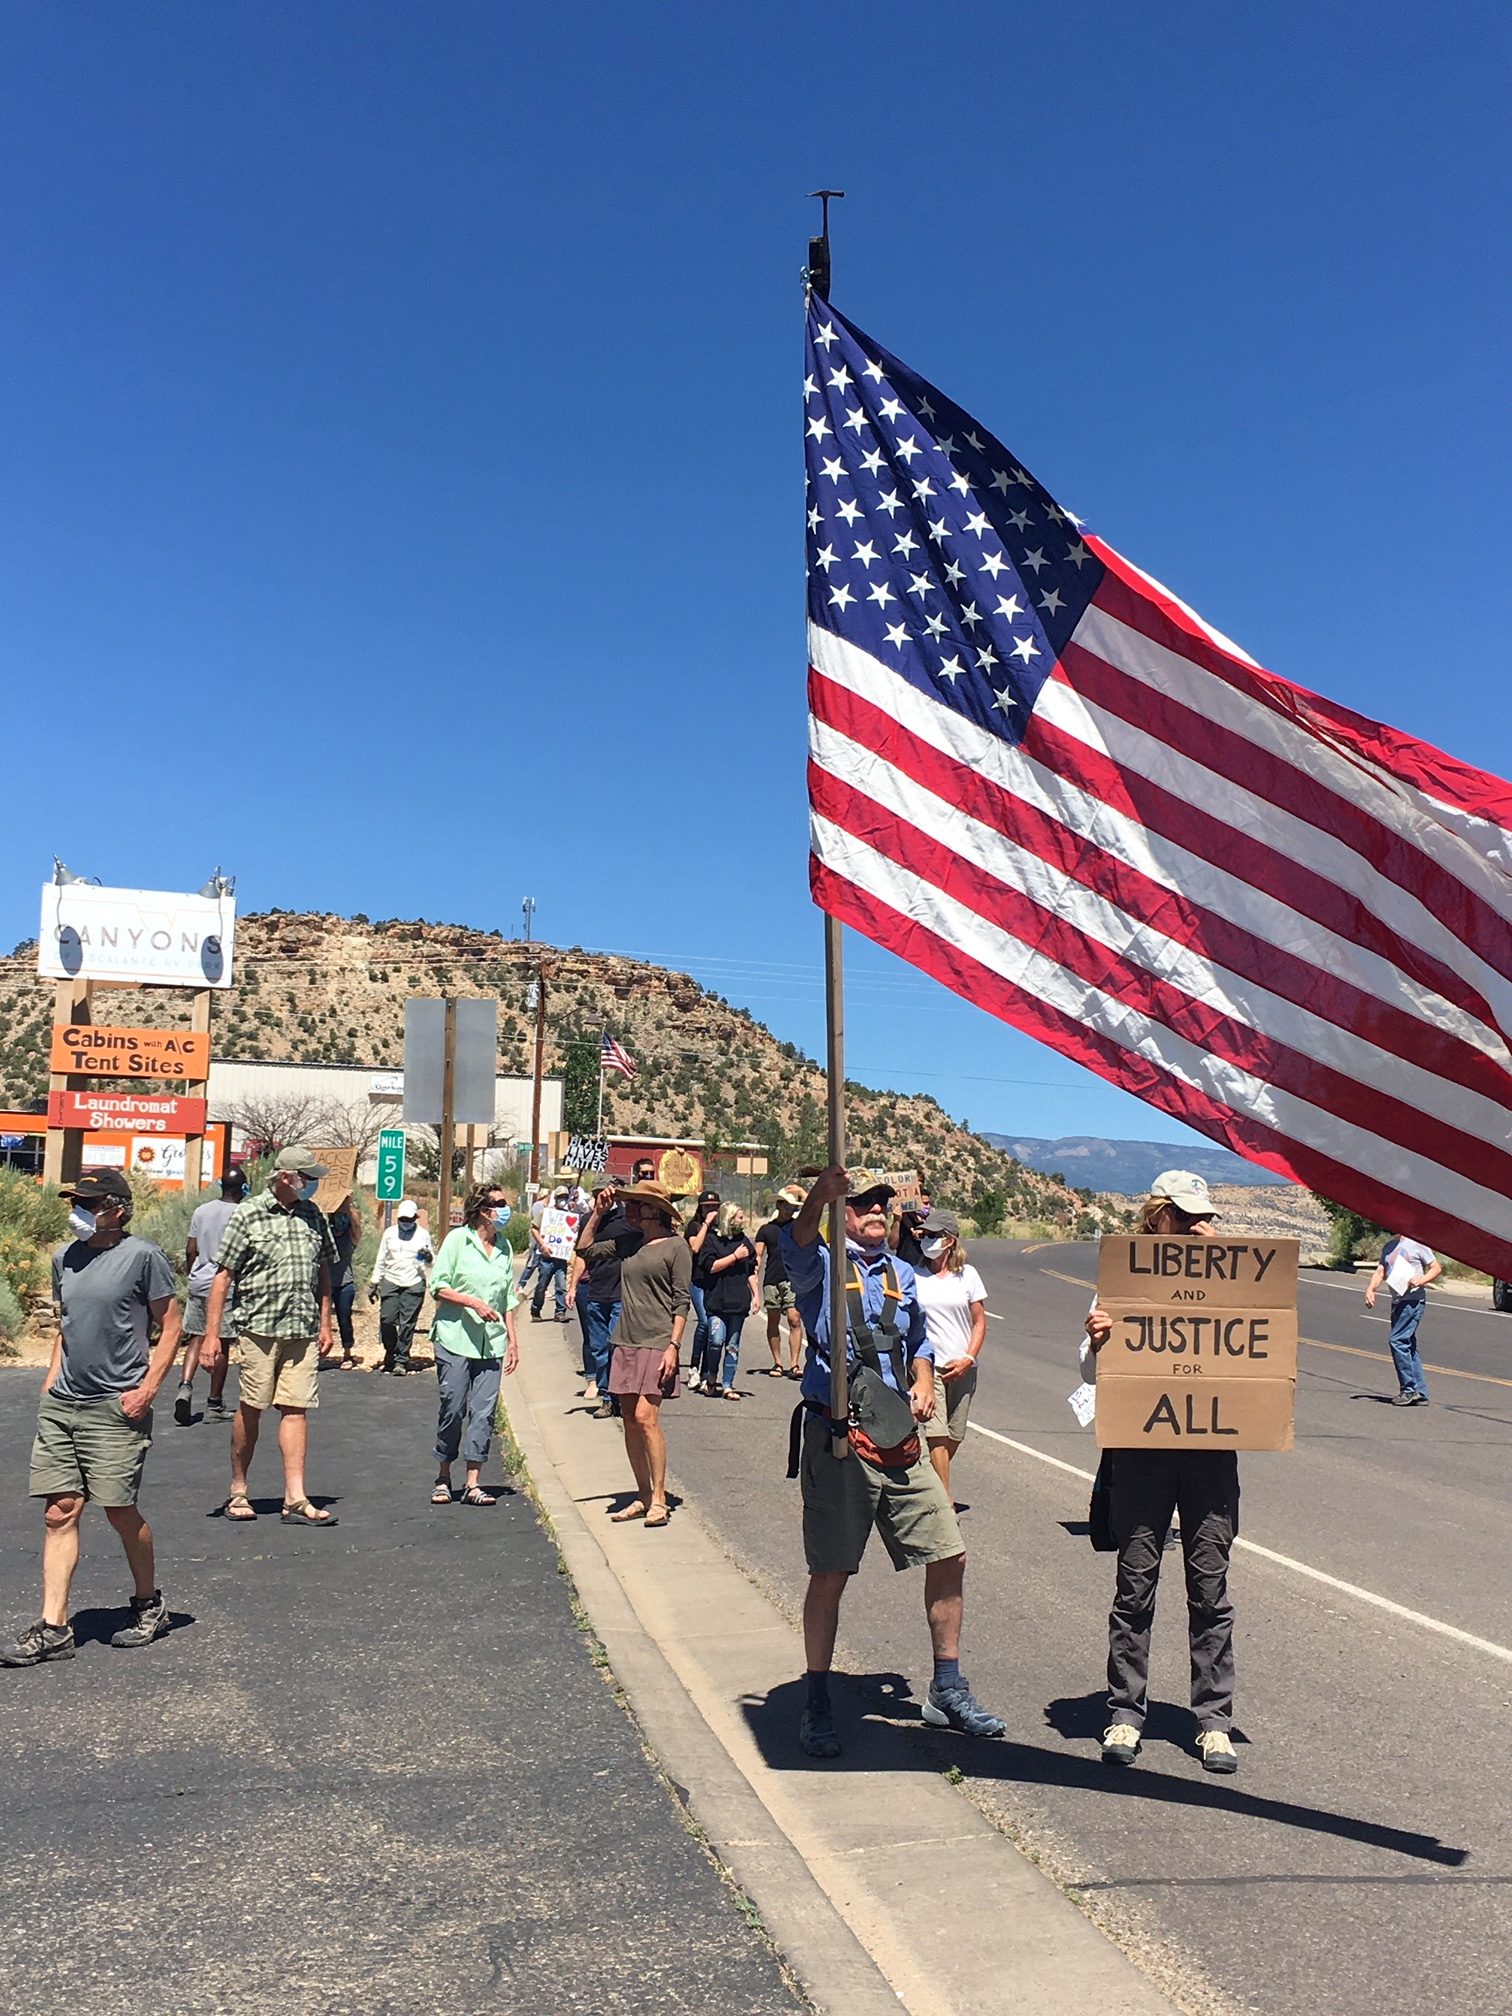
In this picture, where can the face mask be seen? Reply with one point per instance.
(933, 1248)
(407, 1227)
(500, 1215)
(308, 1188)
(81, 1222)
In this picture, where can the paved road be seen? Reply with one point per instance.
(371, 1770)
(1360, 1863)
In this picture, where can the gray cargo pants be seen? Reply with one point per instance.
(1149, 1485)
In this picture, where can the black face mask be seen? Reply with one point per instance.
(407, 1228)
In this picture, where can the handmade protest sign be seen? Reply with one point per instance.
(1203, 1352)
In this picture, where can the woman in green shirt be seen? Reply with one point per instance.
(473, 1333)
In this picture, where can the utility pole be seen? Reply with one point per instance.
(448, 1113)
(527, 911)
(536, 998)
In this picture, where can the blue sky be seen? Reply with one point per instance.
(402, 478)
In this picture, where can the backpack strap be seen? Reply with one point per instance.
(872, 1341)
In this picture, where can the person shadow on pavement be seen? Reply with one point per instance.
(1081, 1718)
(96, 1625)
(883, 1730)
(873, 1710)
(270, 1508)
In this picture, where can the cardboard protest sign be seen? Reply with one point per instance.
(1203, 1353)
(342, 1163)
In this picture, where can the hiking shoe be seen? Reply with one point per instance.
(1120, 1743)
(604, 1411)
(149, 1620)
(38, 1643)
(215, 1410)
(1420, 1399)
(1405, 1399)
(958, 1708)
(817, 1734)
(1216, 1751)
(183, 1407)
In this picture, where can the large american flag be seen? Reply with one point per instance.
(1040, 777)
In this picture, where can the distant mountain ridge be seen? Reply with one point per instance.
(1128, 1168)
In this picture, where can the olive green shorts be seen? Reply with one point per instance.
(843, 1499)
(88, 1447)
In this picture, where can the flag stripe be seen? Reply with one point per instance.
(1482, 804)
(1219, 817)
(1153, 1076)
(1329, 1003)
(1160, 835)
(1045, 911)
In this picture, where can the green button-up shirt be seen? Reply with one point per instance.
(465, 1263)
(274, 1255)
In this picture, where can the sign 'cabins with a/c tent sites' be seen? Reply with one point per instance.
(1203, 1353)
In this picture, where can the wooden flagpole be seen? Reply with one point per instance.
(817, 277)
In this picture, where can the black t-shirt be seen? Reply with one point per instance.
(622, 1238)
(909, 1248)
(701, 1254)
(728, 1293)
(776, 1267)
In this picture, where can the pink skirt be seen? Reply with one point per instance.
(636, 1369)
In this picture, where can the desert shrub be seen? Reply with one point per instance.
(12, 1315)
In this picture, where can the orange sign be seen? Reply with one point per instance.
(94, 1050)
(134, 1110)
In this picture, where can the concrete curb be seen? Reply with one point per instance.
(832, 1858)
(832, 1967)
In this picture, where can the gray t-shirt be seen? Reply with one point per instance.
(102, 1295)
(207, 1228)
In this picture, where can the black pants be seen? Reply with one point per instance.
(1148, 1486)
(398, 1313)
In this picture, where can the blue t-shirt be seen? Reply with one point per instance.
(808, 1270)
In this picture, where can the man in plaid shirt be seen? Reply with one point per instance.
(278, 1254)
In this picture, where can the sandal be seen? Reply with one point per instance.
(347, 1365)
(239, 1507)
(442, 1495)
(775, 1372)
(658, 1516)
(730, 1394)
(634, 1510)
(302, 1512)
(476, 1495)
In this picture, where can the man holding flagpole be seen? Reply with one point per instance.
(884, 1478)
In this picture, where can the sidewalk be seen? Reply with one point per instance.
(370, 1770)
(714, 1671)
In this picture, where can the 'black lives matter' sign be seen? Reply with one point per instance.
(588, 1154)
(1203, 1353)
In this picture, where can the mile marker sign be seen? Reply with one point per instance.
(390, 1165)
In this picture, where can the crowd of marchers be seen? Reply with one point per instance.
(270, 1283)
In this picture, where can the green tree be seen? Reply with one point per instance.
(1346, 1231)
(580, 1083)
(989, 1206)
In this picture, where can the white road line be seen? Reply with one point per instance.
(1360, 1595)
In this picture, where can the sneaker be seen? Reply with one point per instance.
(1420, 1399)
(38, 1643)
(817, 1734)
(1405, 1399)
(183, 1406)
(604, 1411)
(1120, 1743)
(216, 1410)
(149, 1620)
(958, 1708)
(1216, 1751)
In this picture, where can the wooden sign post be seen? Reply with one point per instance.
(1203, 1353)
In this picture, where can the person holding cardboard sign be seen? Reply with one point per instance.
(1149, 1486)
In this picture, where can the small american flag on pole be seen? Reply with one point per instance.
(1039, 776)
(613, 1058)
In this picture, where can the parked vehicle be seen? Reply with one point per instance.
(1501, 1296)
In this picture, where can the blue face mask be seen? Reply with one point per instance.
(501, 1215)
(308, 1188)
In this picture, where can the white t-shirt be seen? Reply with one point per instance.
(946, 1300)
(1403, 1259)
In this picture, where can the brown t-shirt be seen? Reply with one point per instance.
(653, 1293)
